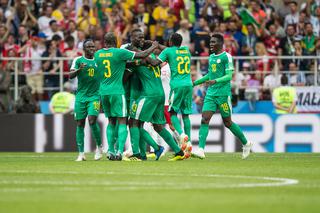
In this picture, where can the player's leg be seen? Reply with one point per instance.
(226, 111)
(80, 139)
(175, 101)
(80, 114)
(209, 107)
(186, 110)
(93, 112)
(135, 137)
(122, 136)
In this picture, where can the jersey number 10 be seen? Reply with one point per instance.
(107, 73)
(183, 61)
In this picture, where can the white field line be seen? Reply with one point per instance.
(132, 185)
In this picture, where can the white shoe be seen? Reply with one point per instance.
(99, 153)
(189, 147)
(81, 157)
(198, 154)
(246, 150)
(183, 138)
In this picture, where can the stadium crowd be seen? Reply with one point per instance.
(39, 28)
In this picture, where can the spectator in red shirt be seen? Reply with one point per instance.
(271, 41)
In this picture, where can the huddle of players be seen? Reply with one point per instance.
(127, 81)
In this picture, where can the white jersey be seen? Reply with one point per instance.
(165, 78)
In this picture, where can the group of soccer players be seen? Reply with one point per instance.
(126, 82)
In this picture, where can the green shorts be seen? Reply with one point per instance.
(223, 103)
(148, 109)
(181, 100)
(87, 108)
(114, 105)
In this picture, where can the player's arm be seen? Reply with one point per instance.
(227, 77)
(201, 80)
(160, 47)
(160, 59)
(75, 68)
(127, 75)
(147, 52)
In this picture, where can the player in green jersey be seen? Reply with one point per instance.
(218, 95)
(87, 98)
(180, 99)
(111, 62)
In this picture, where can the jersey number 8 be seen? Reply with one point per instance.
(107, 74)
(183, 61)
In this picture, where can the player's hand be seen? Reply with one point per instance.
(155, 44)
(212, 82)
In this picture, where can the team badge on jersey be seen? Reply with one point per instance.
(219, 60)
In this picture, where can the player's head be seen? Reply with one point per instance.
(137, 38)
(175, 40)
(284, 80)
(110, 40)
(89, 48)
(216, 42)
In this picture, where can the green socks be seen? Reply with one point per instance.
(235, 129)
(167, 137)
(187, 126)
(122, 137)
(95, 130)
(110, 138)
(135, 138)
(80, 138)
(146, 137)
(176, 123)
(143, 147)
(203, 133)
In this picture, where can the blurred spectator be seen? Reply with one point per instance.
(249, 41)
(284, 10)
(23, 35)
(293, 16)
(26, 104)
(212, 12)
(63, 102)
(236, 34)
(169, 29)
(302, 64)
(284, 98)
(160, 15)
(315, 21)
(271, 41)
(57, 14)
(5, 99)
(309, 41)
(178, 8)
(259, 15)
(224, 4)
(286, 47)
(85, 20)
(201, 35)
(44, 20)
(33, 68)
(72, 30)
(51, 67)
(54, 30)
(185, 33)
(263, 63)
(296, 78)
(230, 45)
(142, 18)
(303, 20)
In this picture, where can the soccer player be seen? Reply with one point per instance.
(111, 63)
(87, 98)
(179, 59)
(218, 95)
(139, 136)
(150, 105)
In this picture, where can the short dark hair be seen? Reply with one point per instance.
(110, 39)
(136, 30)
(219, 37)
(69, 38)
(176, 39)
(86, 41)
(284, 80)
(52, 22)
(56, 37)
(294, 2)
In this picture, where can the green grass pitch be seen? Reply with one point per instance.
(53, 182)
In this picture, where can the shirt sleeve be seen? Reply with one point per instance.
(163, 55)
(126, 55)
(229, 63)
(75, 64)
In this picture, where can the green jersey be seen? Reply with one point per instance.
(150, 78)
(179, 59)
(88, 79)
(219, 65)
(111, 65)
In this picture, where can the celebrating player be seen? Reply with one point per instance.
(87, 98)
(180, 100)
(218, 95)
(111, 63)
(150, 105)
